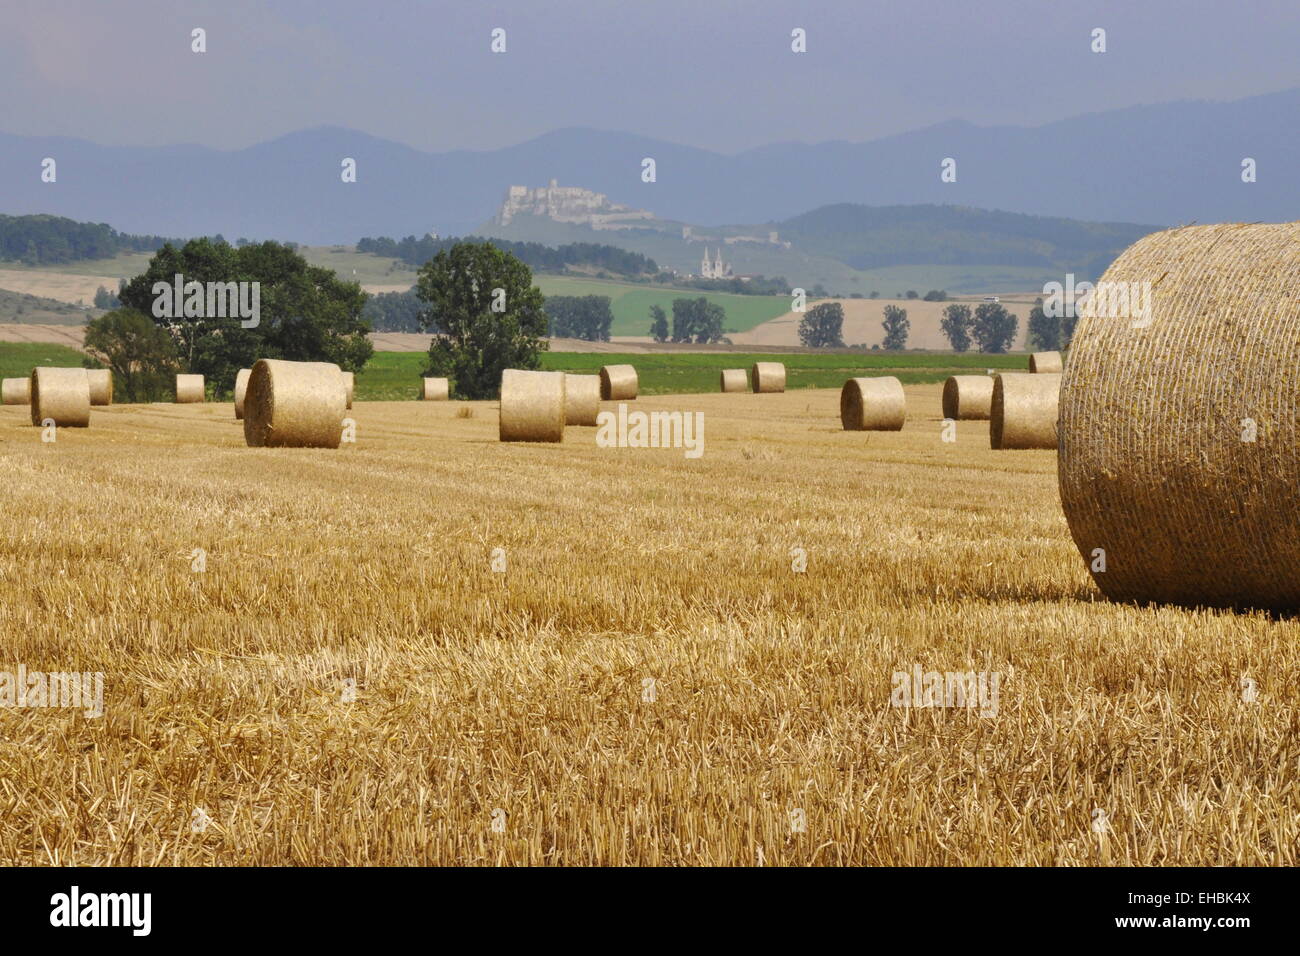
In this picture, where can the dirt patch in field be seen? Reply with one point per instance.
(69, 335)
(64, 286)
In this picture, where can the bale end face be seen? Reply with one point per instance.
(618, 383)
(768, 376)
(532, 406)
(873, 404)
(350, 384)
(294, 405)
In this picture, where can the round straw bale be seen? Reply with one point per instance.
(618, 383)
(532, 405)
(435, 389)
(189, 388)
(16, 391)
(968, 397)
(1180, 439)
(734, 380)
(62, 394)
(581, 399)
(873, 404)
(768, 376)
(101, 386)
(1049, 362)
(294, 405)
(1023, 412)
(241, 389)
(350, 383)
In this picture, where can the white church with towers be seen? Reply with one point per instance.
(717, 269)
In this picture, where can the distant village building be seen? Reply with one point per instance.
(571, 204)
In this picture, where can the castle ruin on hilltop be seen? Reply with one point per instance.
(571, 204)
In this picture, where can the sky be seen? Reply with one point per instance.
(717, 74)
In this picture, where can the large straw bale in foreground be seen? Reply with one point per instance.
(618, 383)
(435, 389)
(1157, 468)
(294, 405)
(532, 405)
(581, 399)
(734, 380)
(16, 391)
(968, 397)
(1049, 362)
(873, 404)
(241, 389)
(101, 386)
(768, 376)
(60, 394)
(1023, 412)
(189, 388)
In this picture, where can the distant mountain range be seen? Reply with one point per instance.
(1163, 164)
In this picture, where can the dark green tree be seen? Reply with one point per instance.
(586, 317)
(141, 355)
(658, 324)
(955, 325)
(1044, 329)
(822, 326)
(994, 329)
(896, 326)
(306, 313)
(486, 315)
(697, 320)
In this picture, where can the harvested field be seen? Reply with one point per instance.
(648, 681)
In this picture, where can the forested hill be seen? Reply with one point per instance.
(873, 237)
(41, 240)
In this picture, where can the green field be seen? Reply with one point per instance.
(17, 359)
(396, 375)
(631, 302)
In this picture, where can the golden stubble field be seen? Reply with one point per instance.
(648, 682)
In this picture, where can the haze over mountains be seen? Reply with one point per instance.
(1161, 165)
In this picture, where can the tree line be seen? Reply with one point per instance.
(543, 258)
(51, 240)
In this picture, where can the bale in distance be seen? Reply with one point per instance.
(350, 383)
(189, 388)
(435, 389)
(532, 405)
(1180, 420)
(873, 404)
(1048, 362)
(968, 397)
(1023, 412)
(16, 391)
(294, 405)
(618, 383)
(61, 394)
(581, 399)
(241, 389)
(768, 376)
(101, 386)
(734, 380)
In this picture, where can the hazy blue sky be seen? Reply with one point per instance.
(714, 74)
